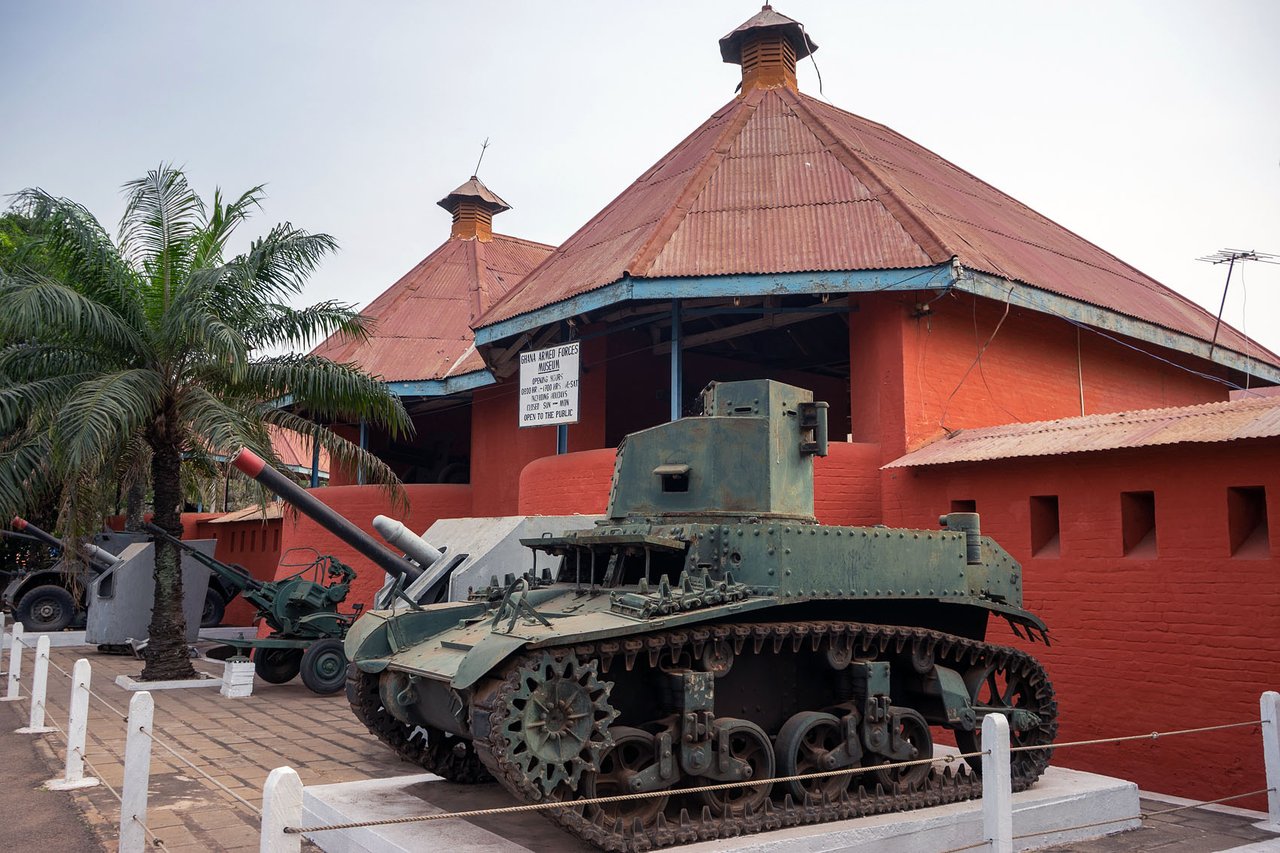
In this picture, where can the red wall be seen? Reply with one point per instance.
(914, 375)
(1183, 639)
(846, 484)
(255, 545)
(359, 504)
(500, 449)
(568, 484)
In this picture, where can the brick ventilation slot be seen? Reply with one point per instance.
(1247, 522)
(1138, 523)
(1045, 526)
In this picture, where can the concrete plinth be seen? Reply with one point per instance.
(1060, 800)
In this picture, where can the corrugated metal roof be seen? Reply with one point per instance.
(779, 182)
(422, 323)
(1255, 417)
(275, 509)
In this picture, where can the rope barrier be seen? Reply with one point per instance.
(160, 743)
(618, 798)
(155, 842)
(1149, 736)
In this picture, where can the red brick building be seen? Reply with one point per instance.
(786, 238)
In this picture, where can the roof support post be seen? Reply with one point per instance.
(315, 462)
(677, 361)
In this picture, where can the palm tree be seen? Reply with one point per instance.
(156, 346)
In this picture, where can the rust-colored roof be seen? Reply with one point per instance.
(1252, 417)
(275, 509)
(474, 189)
(294, 451)
(765, 20)
(778, 182)
(422, 323)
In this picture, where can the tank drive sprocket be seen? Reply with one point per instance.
(557, 720)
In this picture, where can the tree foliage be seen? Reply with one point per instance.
(156, 346)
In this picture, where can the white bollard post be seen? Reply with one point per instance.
(997, 784)
(137, 771)
(1271, 758)
(4, 639)
(39, 688)
(281, 807)
(77, 727)
(15, 664)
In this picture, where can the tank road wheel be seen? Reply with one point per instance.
(747, 742)
(633, 750)
(557, 722)
(453, 758)
(913, 729)
(45, 609)
(1011, 692)
(277, 666)
(324, 666)
(802, 747)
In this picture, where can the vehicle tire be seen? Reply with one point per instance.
(214, 607)
(324, 666)
(277, 666)
(45, 609)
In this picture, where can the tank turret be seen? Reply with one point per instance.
(709, 629)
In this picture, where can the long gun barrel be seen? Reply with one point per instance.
(104, 559)
(237, 577)
(306, 503)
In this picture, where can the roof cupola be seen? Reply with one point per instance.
(767, 47)
(473, 207)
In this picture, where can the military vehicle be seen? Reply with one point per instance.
(710, 630)
(55, 597)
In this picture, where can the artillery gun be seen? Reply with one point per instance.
(709, 630)
(302, 612)
(307, 630)
(56, 597)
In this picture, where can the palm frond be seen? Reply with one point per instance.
(328, 390)
(81, 248)
(163, 217)
(300, 328)
(343, 453)
(103, 413)
(37, 308)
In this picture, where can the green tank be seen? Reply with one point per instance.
(710, 630)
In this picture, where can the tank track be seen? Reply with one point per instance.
(940, 787)
(448, 756)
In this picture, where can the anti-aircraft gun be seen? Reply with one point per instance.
(302, 611)
(710, 630)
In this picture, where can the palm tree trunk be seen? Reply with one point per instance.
(134, 506)
(166, 653)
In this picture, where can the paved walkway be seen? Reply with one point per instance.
(235, 741)
(238, 741)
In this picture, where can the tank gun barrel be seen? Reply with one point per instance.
(315, 509)
(104, 559)
(397, 535)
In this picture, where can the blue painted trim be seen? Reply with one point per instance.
(442, 387)
(702, 287)
(1045, 302)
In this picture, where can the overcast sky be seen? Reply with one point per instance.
(1150, 127)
